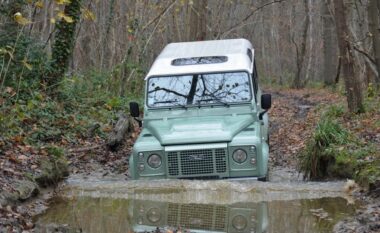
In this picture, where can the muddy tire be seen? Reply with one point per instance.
(263, 179)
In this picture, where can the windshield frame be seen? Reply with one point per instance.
(252, 92)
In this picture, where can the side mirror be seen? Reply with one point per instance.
(266, 101)
(134, 109)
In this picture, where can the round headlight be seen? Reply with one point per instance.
(154, 161)
(239, 222)
(141, 167)
(239, 156)
(154, 215)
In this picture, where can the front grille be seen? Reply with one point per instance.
(191, 216)
(221, 160)
(220, 218)
(192, 163)
(173, 164)
(195, 162)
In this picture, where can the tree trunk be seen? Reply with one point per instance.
(330, 50)
(374, 27)
(197, 21)
(311, 53)
(301, 49)
(123, 126)
(352, 83)
(63, 45)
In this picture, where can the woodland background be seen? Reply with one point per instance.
(295, 40)
(68, 68)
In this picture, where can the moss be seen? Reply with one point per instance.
(54, 169)
(343, 165)
(368, 175)
(63, 44)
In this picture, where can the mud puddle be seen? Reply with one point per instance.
(114, 205)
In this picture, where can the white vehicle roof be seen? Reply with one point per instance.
(236, 51)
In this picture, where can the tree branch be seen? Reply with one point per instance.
(162, 13)
(242, 23)
(168, 90)
(365, 54)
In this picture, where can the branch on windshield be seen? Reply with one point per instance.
(168, 90)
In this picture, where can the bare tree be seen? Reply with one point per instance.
(374, 27)
(301, 49)
(352, 83)
(197, 20)
(330, 50)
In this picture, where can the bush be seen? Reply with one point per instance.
(23, 62)
(324, 155)
(336, 152)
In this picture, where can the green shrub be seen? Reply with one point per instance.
(334, 111)
(324, 154)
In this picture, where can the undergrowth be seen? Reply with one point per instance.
(344, 145)
(38, 119)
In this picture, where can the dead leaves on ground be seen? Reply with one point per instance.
(289, 128)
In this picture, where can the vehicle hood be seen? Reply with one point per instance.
(198, 129)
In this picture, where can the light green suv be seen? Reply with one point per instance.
(204, 114)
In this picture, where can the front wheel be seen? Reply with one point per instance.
(263, 179)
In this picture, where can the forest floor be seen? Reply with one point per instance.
(294, 116)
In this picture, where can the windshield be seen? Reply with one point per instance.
(199, 89)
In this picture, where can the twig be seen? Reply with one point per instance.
(158, 16)
(9, 61)
(365, 54)
(338, 70)
(84, 149)
(242, 23)
(155, 28)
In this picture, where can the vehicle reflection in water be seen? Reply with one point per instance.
(95, 215)
(147, 215)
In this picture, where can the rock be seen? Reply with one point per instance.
(56, 228)
(54, 170)
(366, 220)
(7, 198)
(26, 189)
(22, 157)
(29, 225)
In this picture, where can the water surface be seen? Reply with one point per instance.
(113, 205)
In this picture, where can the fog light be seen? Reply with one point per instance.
(140, 220)
(154, 215)
(239, 156)
(239, 222)
(253, 161)
(141, 156)
(141, 167)
(154, 161)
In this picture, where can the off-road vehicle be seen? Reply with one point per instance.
(204, 114)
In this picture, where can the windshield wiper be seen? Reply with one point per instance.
(214, 99)
(176, 104)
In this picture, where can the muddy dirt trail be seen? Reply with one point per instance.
(102, 201)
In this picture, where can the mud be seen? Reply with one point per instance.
(97, 204)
